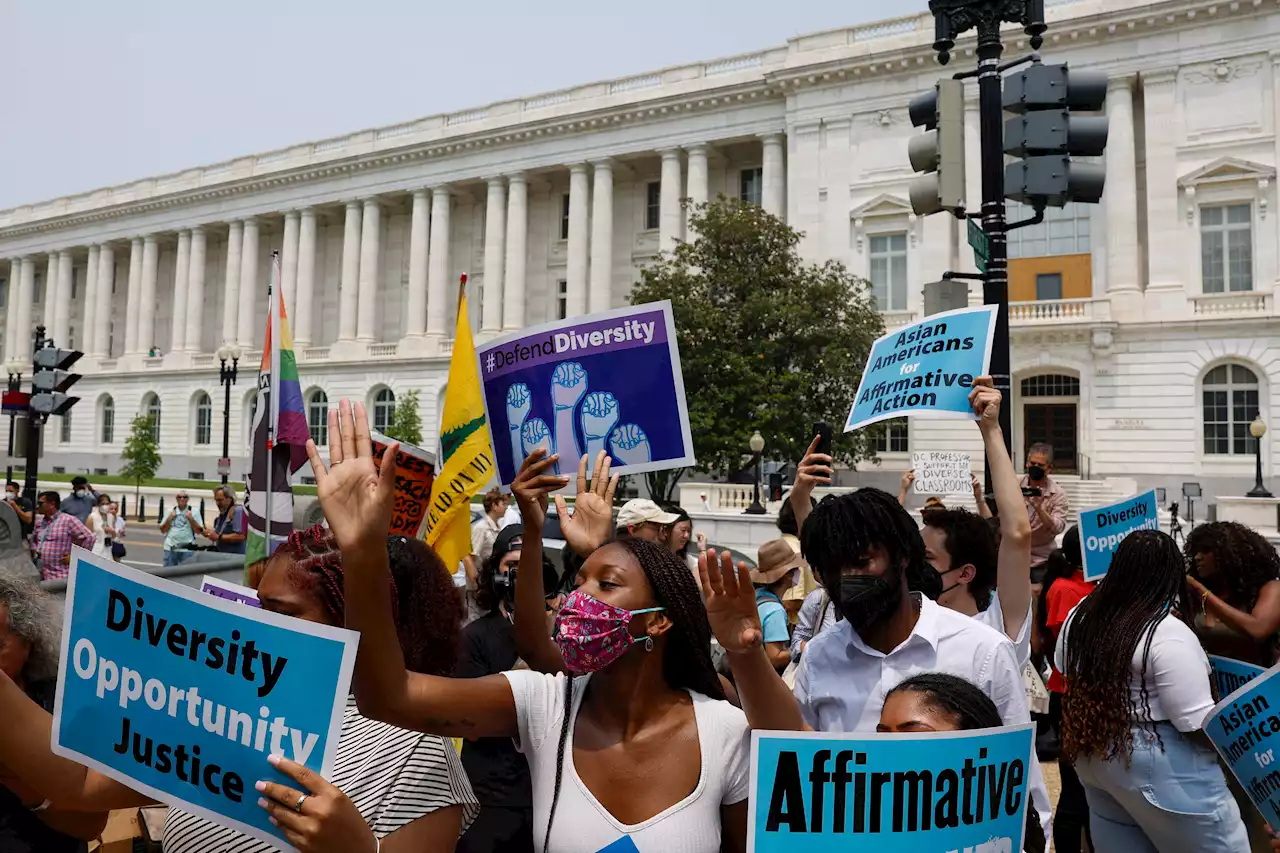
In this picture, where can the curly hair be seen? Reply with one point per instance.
(1145, 581)
(33, 615)
(1245, 561)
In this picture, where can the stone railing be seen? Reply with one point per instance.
(1231, 304)
(315, 354)
(202, 360)
(153, 362)
(1051, 311)
(382, 350)
(897, 319)
(446, 347)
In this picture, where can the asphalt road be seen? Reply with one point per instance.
(145, 545)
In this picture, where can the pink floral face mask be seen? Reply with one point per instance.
(592, 634)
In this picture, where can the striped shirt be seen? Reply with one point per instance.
(393, 777)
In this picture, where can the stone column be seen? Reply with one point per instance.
(670, 216)
(289, 263)
(438, 264)
(62, 317)
(370, 250)
(1164, 260)
(11, 309)
(1121, 197)
(348, 290)
(419, 236)
(305, 296)
(517, 247)
(248, 285)
(50, 316)
(699, 191)
(495, 238)
(22, 337)
(147, 310)
(181, 276)
(602, 237)
(88, 332)
(102, 311)
(195, 290)
(231, 287)
(773, 195)
(579, 234)
(133, 297)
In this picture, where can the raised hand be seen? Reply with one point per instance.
(986, 400)
(907, 479)
(591, 524)
(730, 599)
(535, 436)
(814, 469)
(519, 404)
(630, 445)
(568, 385)
(532, 485)
(599, 416)
(356, 497)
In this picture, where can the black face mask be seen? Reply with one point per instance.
(1036, 472)
(864, 600)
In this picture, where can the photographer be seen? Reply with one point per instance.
(179, 528)
(1046, 507)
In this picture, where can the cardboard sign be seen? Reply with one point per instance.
(925, 370)
(415, 471)
(1103, 529)
(182, 695)
(914, 793)
(941, 473)
(229, 591)
(1242, 727)
(1229, 674)
(608, 381)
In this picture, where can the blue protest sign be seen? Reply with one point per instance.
(916, 793)
(1241, 727)
(926, 369)
(183, 695)
(1229, 675)
(1104, 528)
(608, 381)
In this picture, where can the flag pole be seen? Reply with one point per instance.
(273, 400)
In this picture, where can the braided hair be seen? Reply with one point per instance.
(1145, 581)
(969, 708)
(686, 660)
(1244, 560)
(842, 528)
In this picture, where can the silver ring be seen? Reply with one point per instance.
(297, 807)
(335, 463)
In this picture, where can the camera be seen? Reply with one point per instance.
(1031, 492)
(1173, 510)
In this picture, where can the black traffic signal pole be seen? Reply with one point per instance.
(35, 432)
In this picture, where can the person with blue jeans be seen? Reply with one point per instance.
(1137, 694)
(777, 570)
(179, 528)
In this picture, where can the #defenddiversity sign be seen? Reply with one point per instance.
(182, 695)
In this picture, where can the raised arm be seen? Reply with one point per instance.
(358, 500)
(531, 487)
(814, 468)
(1013, 567)
(1259, 624)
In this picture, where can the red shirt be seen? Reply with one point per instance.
(1059, 601)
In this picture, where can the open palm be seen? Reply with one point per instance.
(591, 524)
(356, 496)
(730, 599)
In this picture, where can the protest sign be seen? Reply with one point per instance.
(926, 369)
(608, 381)
(182, 695)
(910, 793)
(1229, 675)
(415, 471)
(229, 591)
(1241, 727)
(941, 473)
(1104, 528)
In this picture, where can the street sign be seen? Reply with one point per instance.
(224, 467)
(14, 402)
(981, 245)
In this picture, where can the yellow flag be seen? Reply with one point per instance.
(466, 454)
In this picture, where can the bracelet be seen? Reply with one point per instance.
(42, 806)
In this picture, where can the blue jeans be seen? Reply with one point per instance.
(1173, 800)
(176, 556)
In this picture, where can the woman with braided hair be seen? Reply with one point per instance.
(1235, 575)
(629, 742)
(1137, 694)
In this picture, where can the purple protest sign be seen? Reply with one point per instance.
(229, 591)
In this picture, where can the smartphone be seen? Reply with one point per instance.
(823, 431)
(1030, 492)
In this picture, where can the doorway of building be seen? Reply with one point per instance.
(1050, 416)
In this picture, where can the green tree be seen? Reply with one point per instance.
(141, 453)
(767, 342)
(406, 422)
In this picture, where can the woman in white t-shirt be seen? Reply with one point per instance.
(639, 750)
(1137, 694)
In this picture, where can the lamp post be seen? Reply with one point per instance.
(756, 443)
(14, 368)
(1258, 429)
(227, 376)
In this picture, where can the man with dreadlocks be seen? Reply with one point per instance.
(1137, 695)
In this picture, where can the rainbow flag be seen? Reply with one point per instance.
(280, 432)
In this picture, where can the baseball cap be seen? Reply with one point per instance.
(640, 510)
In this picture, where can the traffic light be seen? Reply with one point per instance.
(940, 152)
(1045, 135)
(50, 380)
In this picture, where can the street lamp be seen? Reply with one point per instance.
(227, 376)
(1258, 429)
(756, 443)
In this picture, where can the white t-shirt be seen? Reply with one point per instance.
(1177, 678)
(582, 824)
(993, 616)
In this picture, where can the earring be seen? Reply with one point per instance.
(648, 644)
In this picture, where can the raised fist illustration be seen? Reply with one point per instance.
(599, 417)
(519, 404)
(535, 435)
(568, 385)
(629, 445)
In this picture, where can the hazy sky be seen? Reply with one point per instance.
(101, 92)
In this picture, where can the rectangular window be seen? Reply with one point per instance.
(1065, 231)
(65, 436)
(653, 205)
(751, 185)
(564, 217)
(888, 257)
(1049, 286)
(894, 437)
(1226, 248)
(4, 292)
(37, 292)
(562, 299)
(75, 282)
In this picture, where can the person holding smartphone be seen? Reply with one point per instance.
(179, 528)
(1046, 507)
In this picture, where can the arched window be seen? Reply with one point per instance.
(108, 420)
(204, 419)
(1230, 398)
(384, 409)
(318, 417)
(151, 408)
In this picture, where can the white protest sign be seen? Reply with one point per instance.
(941, 473)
